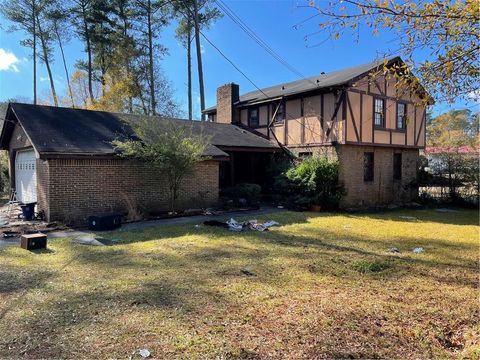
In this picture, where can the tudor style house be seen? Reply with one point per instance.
(358, 115)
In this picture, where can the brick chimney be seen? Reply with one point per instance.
(227, 95)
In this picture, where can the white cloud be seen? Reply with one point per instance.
(8, 61)
(43, 78)
(202, 49)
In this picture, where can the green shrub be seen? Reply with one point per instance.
(249, 192)
(314, 181)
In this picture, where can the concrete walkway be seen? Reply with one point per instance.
(87, 237)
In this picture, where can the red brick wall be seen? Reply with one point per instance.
(383, 190)
(73, 189)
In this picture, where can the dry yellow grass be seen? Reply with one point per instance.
(325, 287)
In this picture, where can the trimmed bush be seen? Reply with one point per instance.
(314, 181)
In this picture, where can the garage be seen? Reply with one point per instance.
(26, 176)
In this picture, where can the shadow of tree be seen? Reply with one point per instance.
(187, 284)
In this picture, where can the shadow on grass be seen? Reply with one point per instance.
(185, 277)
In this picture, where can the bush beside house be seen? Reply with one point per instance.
(314, 182)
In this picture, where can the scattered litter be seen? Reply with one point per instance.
(144, 353)
(394, 250)
(444, 210)
(247, 272)
(197, 226)
(7, 234)
(270, 223)
(418, 250)
(207, 212)
(234, 225)
(408, 217)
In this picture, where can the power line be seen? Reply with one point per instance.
(250, 80)
(253, 35)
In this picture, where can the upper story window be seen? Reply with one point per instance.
(253, 117)
(401, 115)
(280, 115)
(379, 112)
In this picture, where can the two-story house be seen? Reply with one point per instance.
(358, 115)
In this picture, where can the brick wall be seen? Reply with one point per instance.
(73, 189)
(383, 189)
(43, 188)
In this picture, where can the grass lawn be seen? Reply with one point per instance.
(325, 287)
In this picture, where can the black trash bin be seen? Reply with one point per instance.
(28, 211)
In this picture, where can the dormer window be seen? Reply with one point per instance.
(253, 117)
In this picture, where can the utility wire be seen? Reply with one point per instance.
(250, 80)
(252, 34)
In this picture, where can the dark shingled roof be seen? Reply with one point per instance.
(322, 81)
(58, 130)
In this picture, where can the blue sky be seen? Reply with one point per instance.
(274, 21)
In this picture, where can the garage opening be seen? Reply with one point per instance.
(26, 176)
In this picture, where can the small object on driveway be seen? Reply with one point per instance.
(34, 241)
(9, 234)
(418, 250)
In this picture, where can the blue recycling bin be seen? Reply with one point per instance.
(28, 211)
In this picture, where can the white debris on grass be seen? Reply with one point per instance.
(254, 224)
(144, 353)
(418, 250)
(394, 250)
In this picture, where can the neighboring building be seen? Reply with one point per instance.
(357, 115)
(63, 159)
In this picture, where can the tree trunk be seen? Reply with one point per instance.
(64, 65)
(34, 53)
(89, 54)
(150, 56)
(199, 58)
(189, 72)
(47, 62)
(127, 64)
